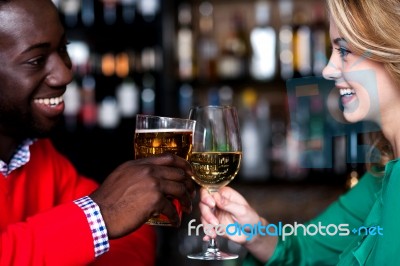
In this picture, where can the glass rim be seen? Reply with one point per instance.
(214, 107)
(165, 117)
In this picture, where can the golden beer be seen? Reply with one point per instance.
(150, 142)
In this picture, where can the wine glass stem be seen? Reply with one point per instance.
(212, 246)
(212, 243)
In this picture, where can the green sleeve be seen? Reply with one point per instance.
(351, 208)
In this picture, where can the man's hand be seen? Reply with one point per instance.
(140, 189)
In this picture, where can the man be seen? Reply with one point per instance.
(49, 214)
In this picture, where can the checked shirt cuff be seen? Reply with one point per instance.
(96, 223)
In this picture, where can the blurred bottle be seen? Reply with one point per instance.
(127, 95)
(122, 65)
(148, 9)
(185, 99)
(87, 13)
(185, 42)
(128, 10)
(89, 105)
(263, 43)
(235, 50)
(286, 39)
(255, 162)
(110, 11)
(108, 64)
(70, 9)
(302, 47)
(207, 47)
(226, 94)
(148, 95)
(108, 114)
(79, 53)
(72, 101)
(320, 38)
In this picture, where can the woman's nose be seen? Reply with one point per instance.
(331, 71)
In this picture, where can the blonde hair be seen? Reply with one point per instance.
(372, 27)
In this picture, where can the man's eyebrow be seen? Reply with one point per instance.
(36, 46)
(339, 40)
(43, 45)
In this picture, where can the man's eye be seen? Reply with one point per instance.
(343, 52)
(37, 61)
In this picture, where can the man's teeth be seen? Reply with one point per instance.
(50, 101)
(348, 91)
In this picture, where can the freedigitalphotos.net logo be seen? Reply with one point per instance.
(280, 229)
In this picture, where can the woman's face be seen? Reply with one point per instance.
(366, 88)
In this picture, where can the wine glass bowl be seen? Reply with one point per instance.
(216, 156)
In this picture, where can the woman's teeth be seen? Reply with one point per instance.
(347, 92)
(50, 101)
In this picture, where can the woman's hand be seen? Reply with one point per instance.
(226, 207)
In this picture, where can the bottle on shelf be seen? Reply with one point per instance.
(70, 9)
(128, 11)
(72, 101)
(108, 113)
(286, 39)
(148, 95)
(302, 47)
(110, 11)
(320, 39)
(89, 106)
(185, 42)
(255, 136)
(235, 50)
(127, 95)
(148, 9)
(185, 99)
(87, 13)
(263, 43)
(207, 47)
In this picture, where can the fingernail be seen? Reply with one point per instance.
(211, 202)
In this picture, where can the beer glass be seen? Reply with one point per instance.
(155, 135)
(216, 157)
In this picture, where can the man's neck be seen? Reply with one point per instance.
(8, 146)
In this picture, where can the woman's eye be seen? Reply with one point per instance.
(343, 52)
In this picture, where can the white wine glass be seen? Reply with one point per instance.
(216, 157)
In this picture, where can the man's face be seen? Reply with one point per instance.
(34, 68)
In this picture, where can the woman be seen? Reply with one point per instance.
(361, 47)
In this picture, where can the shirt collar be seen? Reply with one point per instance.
(20, 158)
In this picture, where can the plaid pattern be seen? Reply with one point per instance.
(96, 223)
(20, 158)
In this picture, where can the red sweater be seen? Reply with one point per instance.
(40, 225)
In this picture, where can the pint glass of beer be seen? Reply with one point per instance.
(155, 135)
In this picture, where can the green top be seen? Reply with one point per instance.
(373, 203)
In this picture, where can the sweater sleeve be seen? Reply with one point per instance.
(351, 209)
(138, 248)
(41, 225)
(38, 241)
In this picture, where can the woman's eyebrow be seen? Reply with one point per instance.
(338, 40)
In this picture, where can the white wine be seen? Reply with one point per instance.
(215, 169)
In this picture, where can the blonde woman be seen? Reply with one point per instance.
(364, 38)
